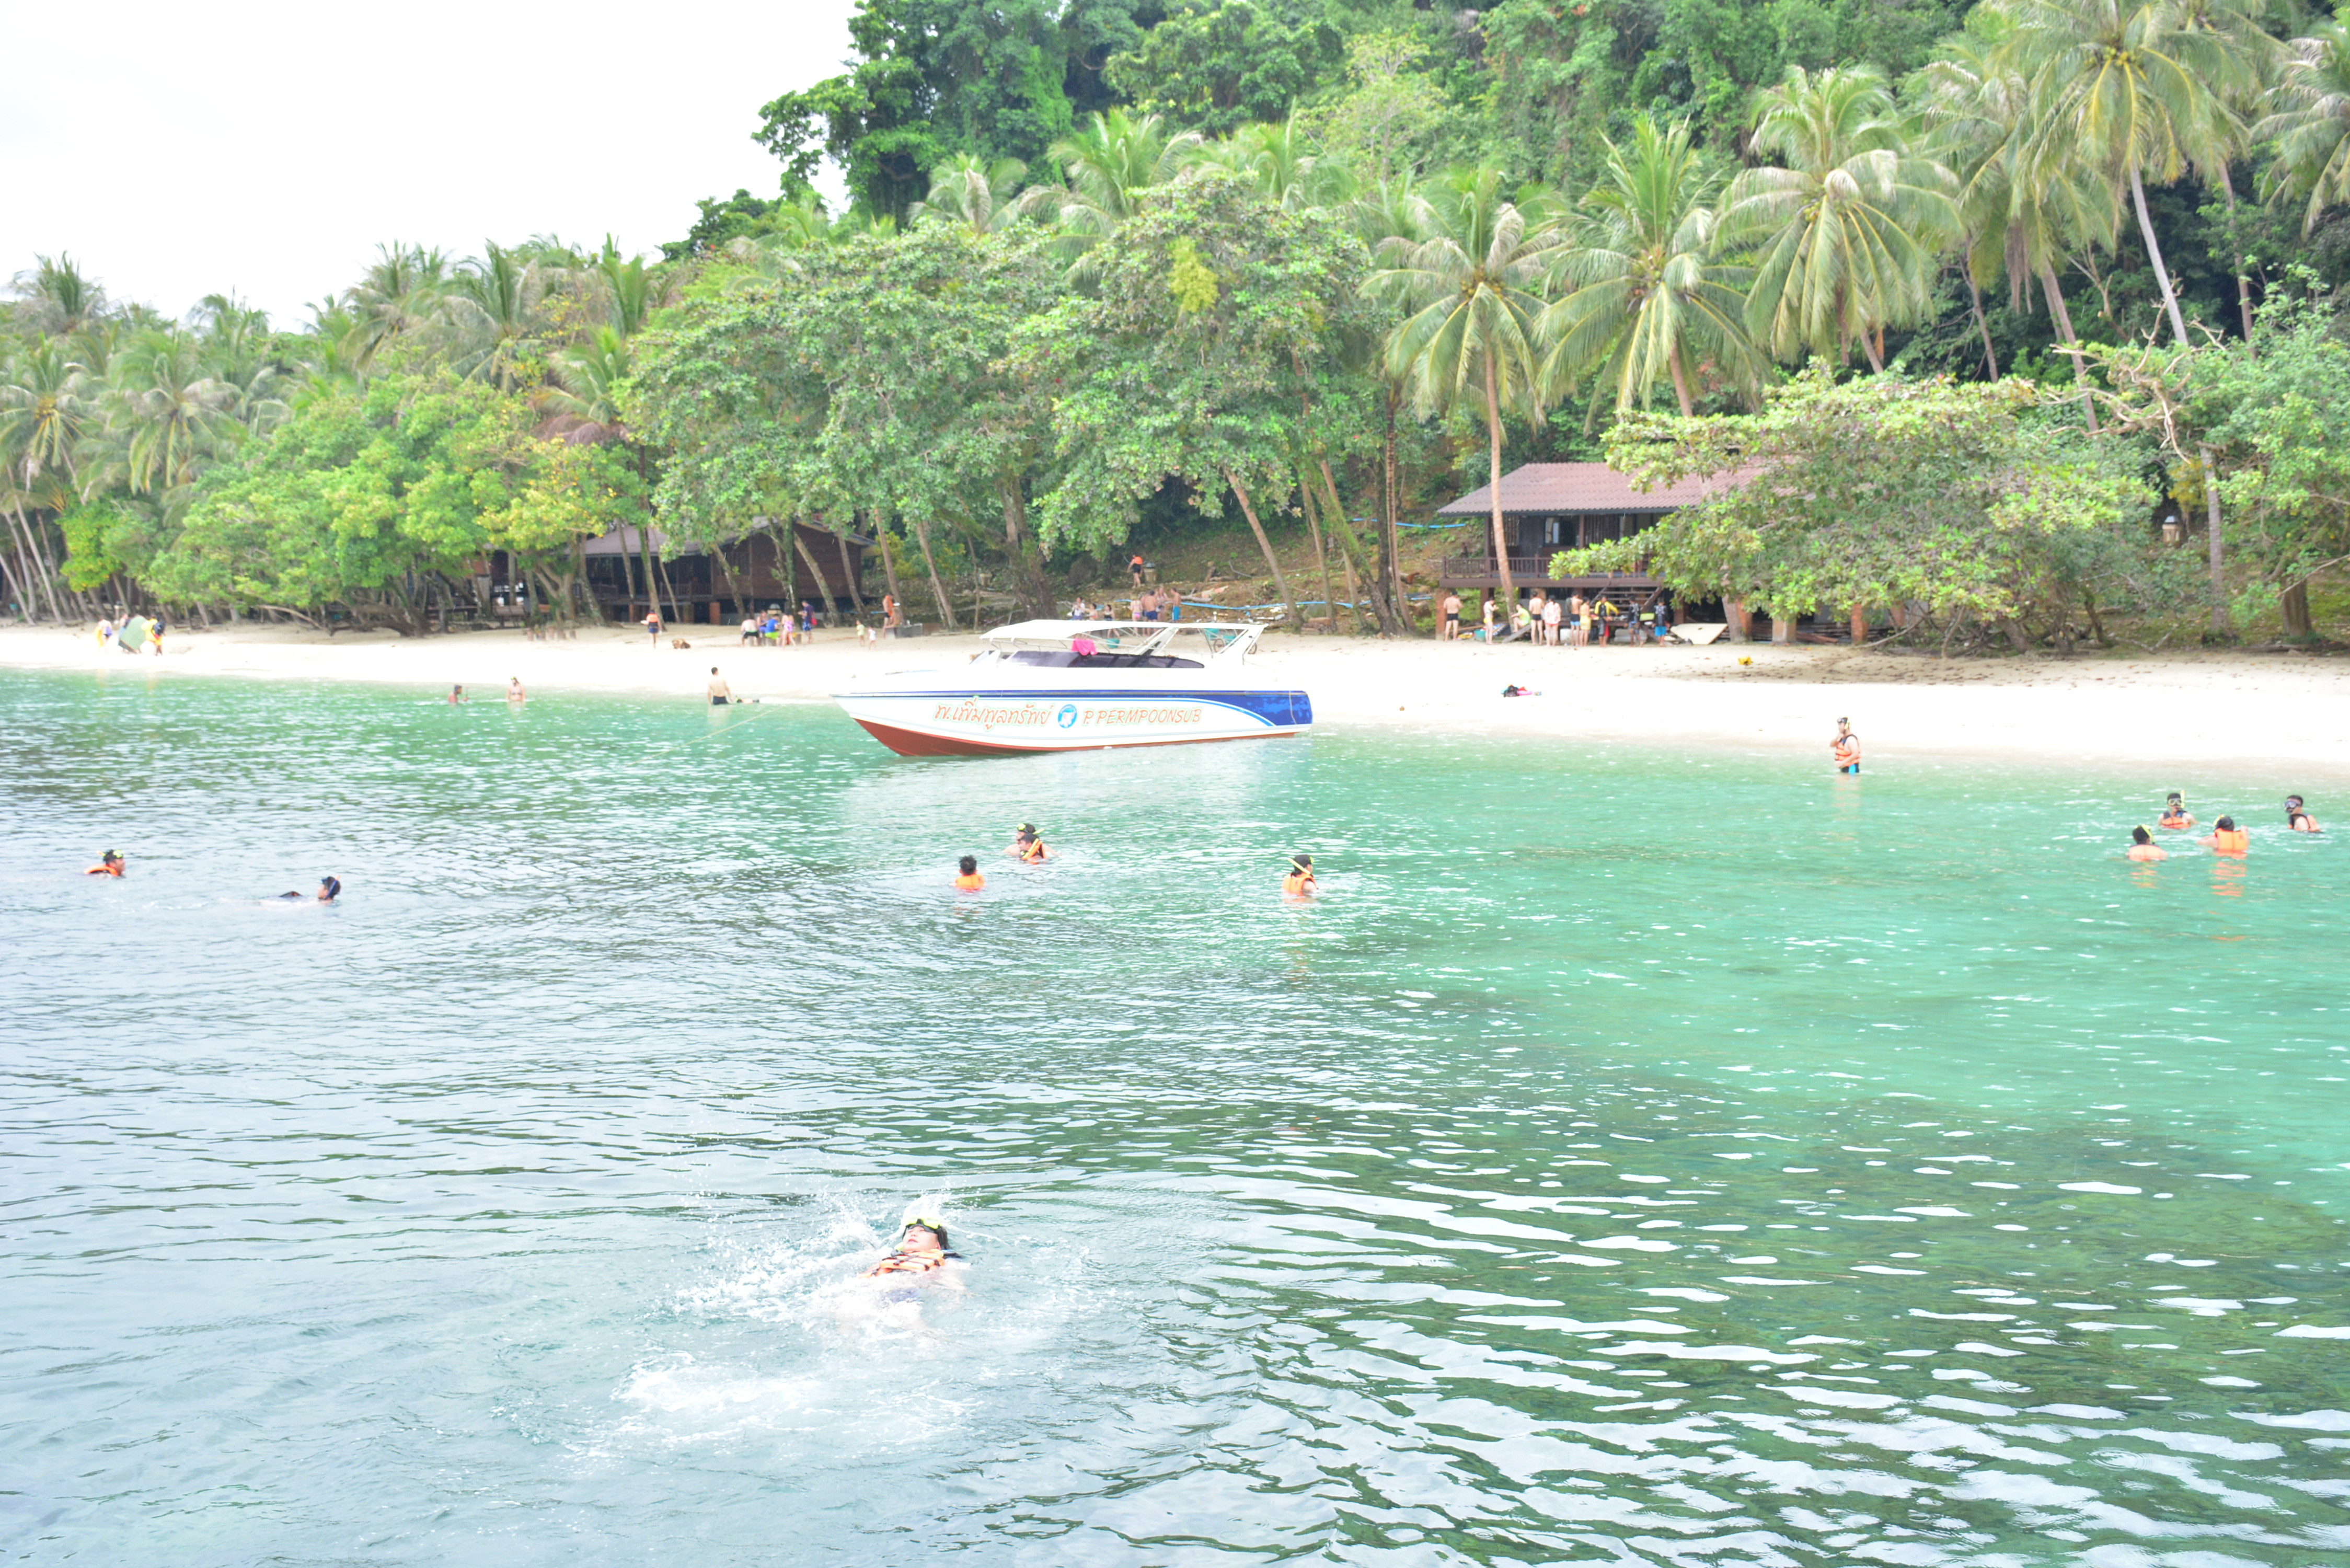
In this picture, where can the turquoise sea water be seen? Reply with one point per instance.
(1637, 1157)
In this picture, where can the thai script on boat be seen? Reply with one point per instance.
(970, 712)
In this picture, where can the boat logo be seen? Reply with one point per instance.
(1069, 715)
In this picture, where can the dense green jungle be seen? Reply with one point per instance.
(2020, 318)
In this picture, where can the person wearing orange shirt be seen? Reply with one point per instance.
(971, 881)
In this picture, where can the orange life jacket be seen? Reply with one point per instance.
(2168, 821)
(1296, 884)
(1847, 749)
(111, 869)
(1033, 850)
(972, 883)
(2230, 840)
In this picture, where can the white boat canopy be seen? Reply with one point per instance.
(1200, 640)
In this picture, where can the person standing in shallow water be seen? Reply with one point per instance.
(1846, 748)
(721, 693)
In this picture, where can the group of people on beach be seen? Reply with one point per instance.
(1574, 621)
(137, 634)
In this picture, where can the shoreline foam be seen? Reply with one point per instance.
(2214, 713)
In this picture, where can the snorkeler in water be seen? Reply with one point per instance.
(2144, 847)
(110, 864)
(1300, 882)
(2296, 818)
(2174, 812)
(2227, 838)
(327, 890)
(967, 878)
(1027, 845)
(921, 1250)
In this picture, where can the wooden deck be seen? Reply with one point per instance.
(1628, 589)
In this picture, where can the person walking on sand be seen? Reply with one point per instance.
(1451, 617)
(1846, 748)
(653, 625)
(720, 693)
(1135, 566)
(2144, 847)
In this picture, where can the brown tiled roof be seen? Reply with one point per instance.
(1547, 488)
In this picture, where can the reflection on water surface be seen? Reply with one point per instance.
(1635, 1158)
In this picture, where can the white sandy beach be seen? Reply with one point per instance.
(2252, 718)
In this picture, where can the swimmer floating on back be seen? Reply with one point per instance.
(2227, 838)
(2143, 846)
(2174, 812)
(920, 1254)
(328, 887)
(110, 864)
(1300, 883)
(1846, 748)
(2297, 819)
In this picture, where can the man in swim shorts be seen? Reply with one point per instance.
(2297, 819)
(721, 693)
(1846, 748)
(110, 864)
(1451, 617)
(2143, 846)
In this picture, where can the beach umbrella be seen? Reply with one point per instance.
(133, 635)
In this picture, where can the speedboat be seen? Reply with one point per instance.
(1075, 686)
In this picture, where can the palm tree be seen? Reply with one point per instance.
(2015, 219)
(2113, 84)
(1643, 292)
(585, 398)
(494, 306)
(64, 301)
(2226, 45)
(1284, 163)
(402, 292)
(169, 414)
(2309, 120)
(973, 192)
(1471, 270)
(1107, 165)
(43, 413)
(1848, 223)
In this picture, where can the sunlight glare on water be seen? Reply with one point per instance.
(1638, 1156)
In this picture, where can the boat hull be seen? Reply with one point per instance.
(967, 724)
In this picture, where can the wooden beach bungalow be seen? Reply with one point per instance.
(754, 572)
(1547, 507)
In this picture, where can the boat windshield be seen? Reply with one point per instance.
(1064, 658)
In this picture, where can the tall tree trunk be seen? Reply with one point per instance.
(823, 588)
(1321, 556)
(2063, 318)
(889, 562)
(676, 610)
(849, 570)
(652, 584)
(1974, 299)
(733, 584)
(41, 561)
(2236, 249)
(1876, 357)
(1680, 384)
(1279, 579)
(2294, 602)
(24, 604)
(923, 537)
(1390, 533)
(1501, 545)
(2153, 254)
(1027, 562)
(1353, 544)
(2222, 623)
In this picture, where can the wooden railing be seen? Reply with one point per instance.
(1479, 570)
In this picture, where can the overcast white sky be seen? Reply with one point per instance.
(266, 147)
